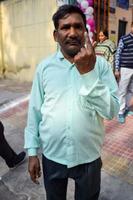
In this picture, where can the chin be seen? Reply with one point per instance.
(72, 52)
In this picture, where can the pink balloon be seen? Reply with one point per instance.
(90, 2)
(91, 22)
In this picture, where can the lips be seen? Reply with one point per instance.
(73, 42)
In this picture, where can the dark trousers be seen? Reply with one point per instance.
(6, 152)
(87, 179)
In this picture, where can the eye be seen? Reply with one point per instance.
(78, 26)
(65, 27)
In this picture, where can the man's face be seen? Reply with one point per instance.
(70, 34)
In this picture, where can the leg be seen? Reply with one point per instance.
(126, 75)
(6, 152)
(55, 179)
(130, 91)
(87, 184)
(124, 85)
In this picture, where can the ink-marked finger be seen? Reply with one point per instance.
(88, 44)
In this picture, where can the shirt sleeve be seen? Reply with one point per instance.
(99, 90)
(112, 56)
(118, 53)
(32, 142)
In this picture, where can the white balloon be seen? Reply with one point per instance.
(84, 4)
(89, 16)
(88, 27)
(90, 34)
(89, 11)
(79, 1)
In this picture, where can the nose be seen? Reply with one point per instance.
(72, 32)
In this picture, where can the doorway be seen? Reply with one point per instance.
(121, 28)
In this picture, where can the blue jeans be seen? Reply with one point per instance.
(87, 179)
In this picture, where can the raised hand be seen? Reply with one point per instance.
(86, 58)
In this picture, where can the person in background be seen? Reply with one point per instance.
(124, 72)
(105, 47)
(11, 158)
(72, 93)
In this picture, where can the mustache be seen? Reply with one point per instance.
(73, 40)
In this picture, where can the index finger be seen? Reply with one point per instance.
(88, 44)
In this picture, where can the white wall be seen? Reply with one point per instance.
(27, 35)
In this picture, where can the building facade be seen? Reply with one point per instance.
(120, 18)
(26, 31)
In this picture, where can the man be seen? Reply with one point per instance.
(124, 72)
(6, 152)
(73, 91)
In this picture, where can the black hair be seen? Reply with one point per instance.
(105, 32)
(66, 9)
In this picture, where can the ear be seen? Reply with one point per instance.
(55, 35)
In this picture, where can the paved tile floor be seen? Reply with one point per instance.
(117, 151)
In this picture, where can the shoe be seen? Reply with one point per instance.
(121, 118)
(126, 112)
(18, 160)
(130, 113)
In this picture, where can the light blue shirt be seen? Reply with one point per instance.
(66, 110)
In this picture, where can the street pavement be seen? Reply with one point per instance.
(117, 153)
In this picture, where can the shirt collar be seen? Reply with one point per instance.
(60, 55)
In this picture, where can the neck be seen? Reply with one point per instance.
(69, 58)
